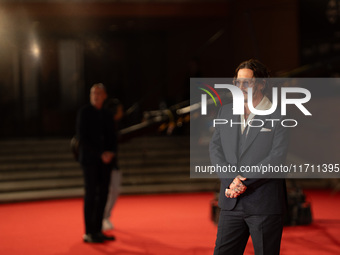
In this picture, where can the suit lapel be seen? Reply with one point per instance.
(233, 132)
(253, 132)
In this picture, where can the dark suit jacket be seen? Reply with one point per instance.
(96, 134)
(263, 196)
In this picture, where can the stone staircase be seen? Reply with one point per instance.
(45, 169)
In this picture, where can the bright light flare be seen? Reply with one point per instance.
(35, 50)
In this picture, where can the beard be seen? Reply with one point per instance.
(255, 94)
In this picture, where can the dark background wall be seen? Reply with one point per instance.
(145, 53)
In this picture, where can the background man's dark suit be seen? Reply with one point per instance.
(95, 131)
(263, 145)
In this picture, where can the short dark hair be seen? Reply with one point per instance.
(259, 69)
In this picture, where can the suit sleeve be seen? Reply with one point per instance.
(110, 134)
(216, 153)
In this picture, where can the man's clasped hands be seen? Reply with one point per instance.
(236, 187)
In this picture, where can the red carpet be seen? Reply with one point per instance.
(152, 224)
(322, 237)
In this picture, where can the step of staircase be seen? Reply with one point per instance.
(45, 169)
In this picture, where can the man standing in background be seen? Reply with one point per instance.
(97, 146)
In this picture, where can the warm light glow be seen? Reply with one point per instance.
(35, 50)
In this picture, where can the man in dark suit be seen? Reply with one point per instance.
(97, 146)
(250, 206)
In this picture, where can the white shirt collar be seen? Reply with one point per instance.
(265, 104)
